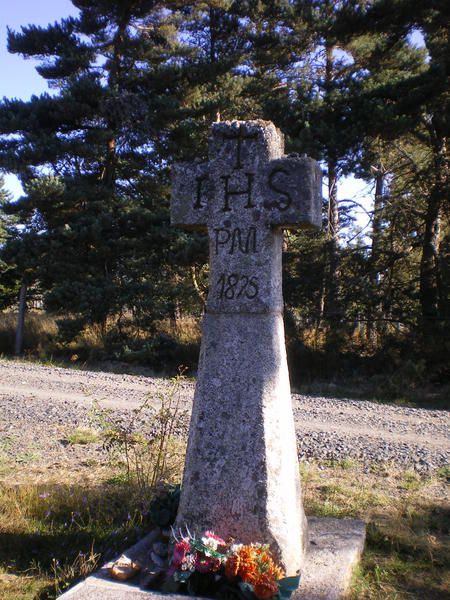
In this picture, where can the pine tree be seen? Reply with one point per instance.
(8, 275)
(322, 127)
(4, 219)
(420, 106)
(380, 158)
(91, 158)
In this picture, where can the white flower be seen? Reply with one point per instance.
(189, 562)
(210, 543)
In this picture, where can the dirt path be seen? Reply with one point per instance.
(40, 406)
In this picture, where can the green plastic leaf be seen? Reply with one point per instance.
(287, 586)
(246, 591)
(200, 547)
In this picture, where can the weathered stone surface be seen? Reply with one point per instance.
(292, 193)
(335, 547)
(241, 474)
(190, 190)
(245, 194)
(94, 589)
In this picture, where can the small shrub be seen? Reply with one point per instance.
(162, 352)
(407, 377)
(164, 506)
(444, 472)
(150, 452)
(83, 565)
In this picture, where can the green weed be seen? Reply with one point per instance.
(150, 453)
(83, 436)
(444, 472)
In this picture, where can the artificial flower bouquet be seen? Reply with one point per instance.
(208, 566)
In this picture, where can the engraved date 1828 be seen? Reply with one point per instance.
(235, 286)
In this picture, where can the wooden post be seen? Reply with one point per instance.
(21, 320)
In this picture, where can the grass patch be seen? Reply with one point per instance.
(40, 332)
(83, 436)
(27, 456)
(444, 472)
(407, 548)
(52, 535)
(23, 587)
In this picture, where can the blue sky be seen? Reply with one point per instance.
(19, 78)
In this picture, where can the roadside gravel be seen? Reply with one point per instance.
(40, 406)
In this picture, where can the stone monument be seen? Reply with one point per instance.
(241, 476)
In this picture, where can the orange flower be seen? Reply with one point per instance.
(247, 565)
(265, 588)
(276, 572)
(266, 564)
(254, 565)
(232, 566)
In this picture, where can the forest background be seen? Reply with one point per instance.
(135, 85)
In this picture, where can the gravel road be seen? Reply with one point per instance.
(40, 406)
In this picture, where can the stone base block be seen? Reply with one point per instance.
(335, 547)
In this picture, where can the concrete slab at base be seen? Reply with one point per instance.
(335, 547)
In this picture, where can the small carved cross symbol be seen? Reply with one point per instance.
(239, 136)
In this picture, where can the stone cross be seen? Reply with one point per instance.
(241, 476)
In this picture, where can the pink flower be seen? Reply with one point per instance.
(210, 534)
(179, 553)
(206, 564)
(212, 542)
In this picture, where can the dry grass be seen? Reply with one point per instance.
(27, 586)
(171, 344)
(44, 527)
(39, 333)
(186, 330)
(56, 533)
(408, 518)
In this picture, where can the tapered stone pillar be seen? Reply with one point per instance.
(241, 476)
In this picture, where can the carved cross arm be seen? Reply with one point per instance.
(293, 192)
(190, 191)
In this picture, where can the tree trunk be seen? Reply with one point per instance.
(114, 77)
(331, 304)
(373, 308)
(430, 280)
(201, 294)
(429, 264)
(18, 348)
